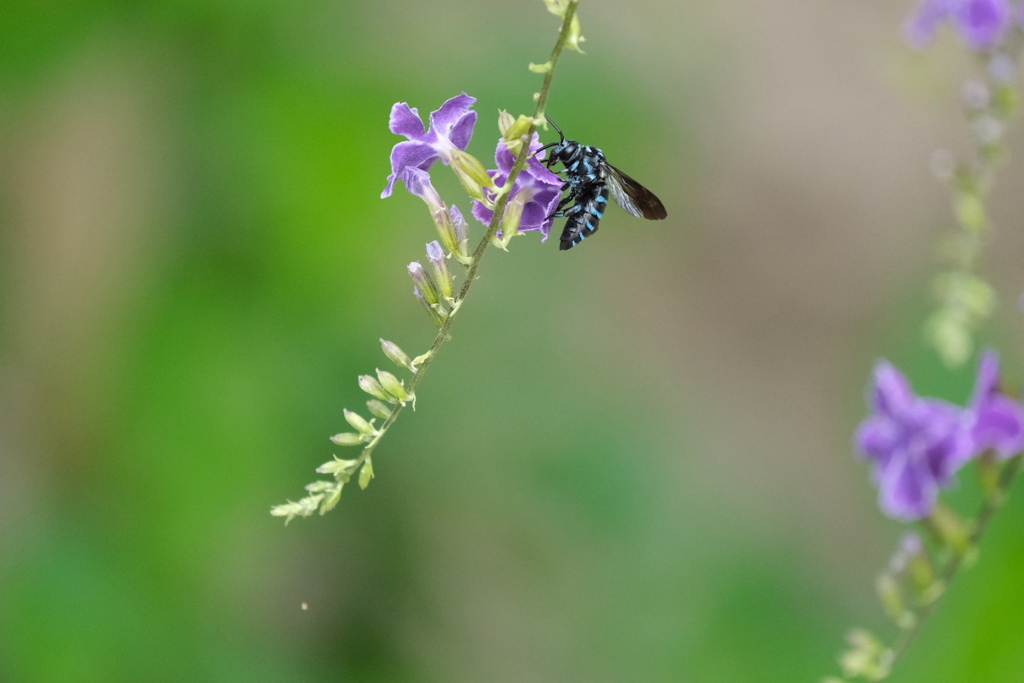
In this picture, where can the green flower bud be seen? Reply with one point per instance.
(357, 422)
(372, 387)
(396, 354)
(378, 409)
(512, 215)
(950, 529)
(423, 283)
(445, 225)
(462, 236)
(331, 497)
(341, 469)
(515, 134)
(867, 657)
(348, 439)
(392, 385)
(442, 277)
(505, 121)
(558, 8)
(366, 474)
(891, 597)
(432, 309)
(291, 510)
(471, 173)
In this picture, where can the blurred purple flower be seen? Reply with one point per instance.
(543, 189)
(994, 420)
(451, 128)
(981, 23)
(917, 445)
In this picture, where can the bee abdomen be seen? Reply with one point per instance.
(583, 219)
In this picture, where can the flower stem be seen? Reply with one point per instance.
(955, 563)
(492, 230)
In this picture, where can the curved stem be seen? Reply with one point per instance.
(492, 230)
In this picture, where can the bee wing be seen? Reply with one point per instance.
(632, 196)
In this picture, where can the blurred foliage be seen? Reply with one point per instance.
(540, 517)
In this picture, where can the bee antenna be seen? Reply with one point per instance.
(556, 127)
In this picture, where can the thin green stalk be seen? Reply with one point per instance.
(952, 568)
(492, 230)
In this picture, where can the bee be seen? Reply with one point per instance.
(589, 178)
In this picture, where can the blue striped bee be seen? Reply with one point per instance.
(589, 178)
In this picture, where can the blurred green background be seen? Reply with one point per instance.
(632, 463)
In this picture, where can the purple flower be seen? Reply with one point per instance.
(917, 445)
(981, 23)
(451, 128)
(993, 420)
(539, 186)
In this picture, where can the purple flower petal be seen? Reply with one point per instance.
(892, 394)
(545, 189)
(406, 121)
(994, 420)
(916, 444)
(445, 118)
(921, 27)
(462, 132)
(451, 127)
(905, 492)
(409, 154)
(982, 23)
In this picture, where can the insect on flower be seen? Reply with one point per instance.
(589, 178)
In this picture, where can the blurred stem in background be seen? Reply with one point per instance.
(966, 300)
(434, 289)
(918, 444)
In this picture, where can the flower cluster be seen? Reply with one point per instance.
(982, 24)
(918, 444)
(534, 198)
(530, 201)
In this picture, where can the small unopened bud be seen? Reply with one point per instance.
(392, 385)
(337, 467)
(558, 8)
(435, 315)
(867, 657)
(950, 530)
(348, 439)
(513, 214)
(461, 236)
(291, 510)
(378, 409)
(445, 225)
(396, 354)
(366, 474)
(515, 135)
(505, 121)
(891, 597)
(372, 387)
(331, 499)
(439, 269)
(471, 173)
(423, 283)
(358, 423)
